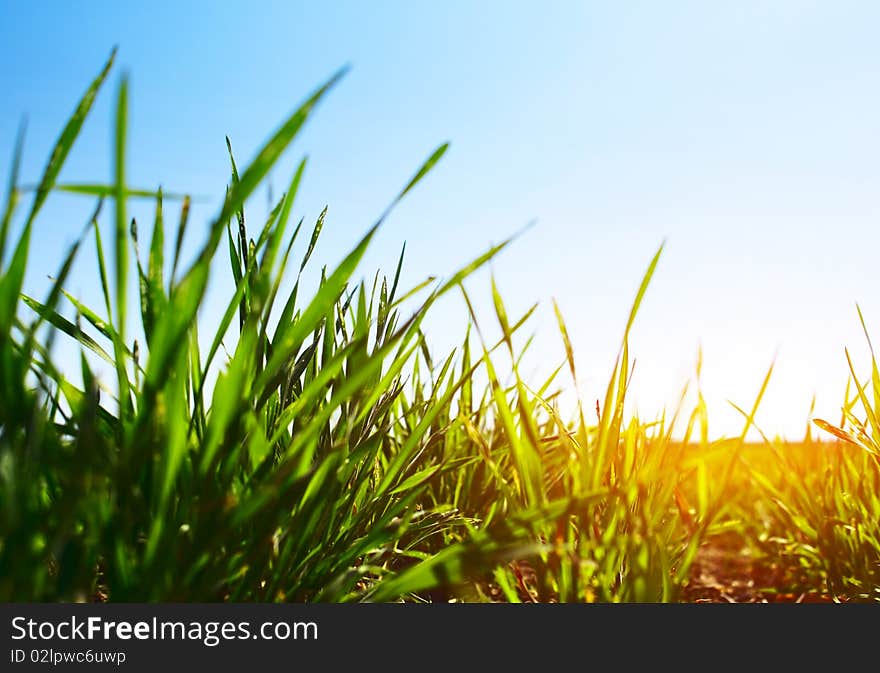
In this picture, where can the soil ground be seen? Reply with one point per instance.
(727, 571)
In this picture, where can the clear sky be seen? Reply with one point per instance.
(743, 134)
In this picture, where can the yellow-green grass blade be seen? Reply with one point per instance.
(272, 150)
(290, 340)
(67, 138)
(178, 242)
(426, 167)
(875, 373)
(12, 191)
(188, 293)
(11, 281)
(736, 453)
(863, 398)
(267, 263)
(47, 310)
(643, 288)
(327, 295)
(60, 322)
(313, 241)
(109, 191)
(155, 270)
(239, 214)
(102, 270)
(121, 248)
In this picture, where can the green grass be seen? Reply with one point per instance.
(336, 457)
(821, 500)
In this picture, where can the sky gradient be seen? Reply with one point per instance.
(744, 136)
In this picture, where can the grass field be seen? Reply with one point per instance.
(338, 457)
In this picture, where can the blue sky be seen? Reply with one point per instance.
(744, 135)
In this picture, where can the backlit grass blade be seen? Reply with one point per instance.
(724, 486)
(66, 140)
(121, 248)
(272, 150)
(646, 280)
(239, 214)
(96, 321)
(11, 282)
(330, 291)
(109, 191)
(12, 191)
(60, 322)
(863, 398)
(326, 297)
(178, 242)
(424, 170)
(267, 293)
(188, 293)
(316, 232)
(842, 435)
(155, 270)
(47, 310)
(102, 266)
(875, 372)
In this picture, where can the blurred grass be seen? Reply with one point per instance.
(336, 457)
